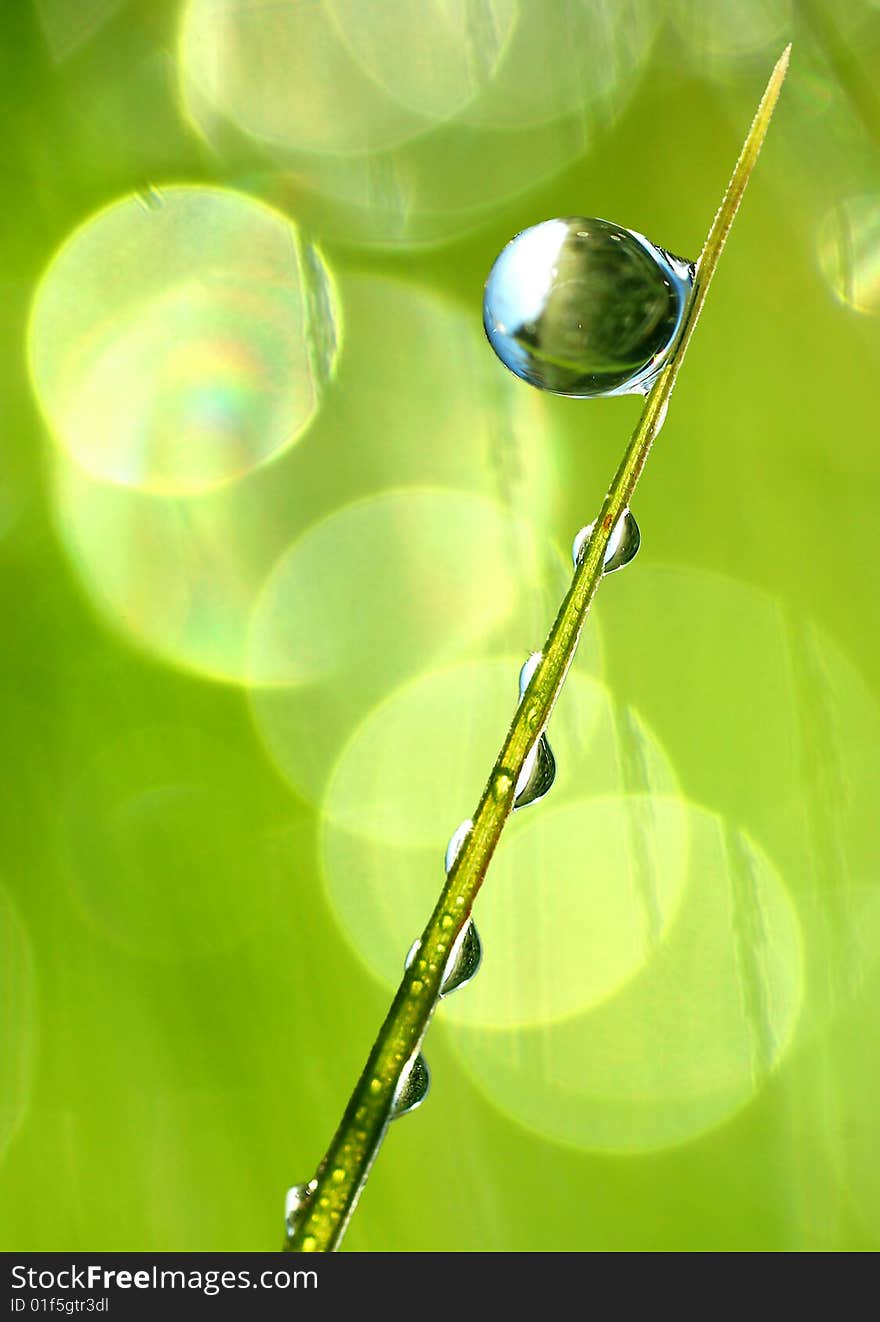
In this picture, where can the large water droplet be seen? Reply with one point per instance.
(464, 961)
(412, 1087)
(537, 775)
(580, 306)
(622, 546)
(296, 1202)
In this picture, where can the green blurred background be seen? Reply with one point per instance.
(277, 532)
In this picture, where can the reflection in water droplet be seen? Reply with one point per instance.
(298, 1199)
(537, 775)
(465, 960)
(582, 307)
(622, 547)
(412, 1087)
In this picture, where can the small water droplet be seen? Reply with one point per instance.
(338, 1175)
(412, 1087)
(309, 1244)
(537, 775)
(623, 543)
(580, 306)
(453, 849)
(502, 782)
(528, 669)
(296, 1202)
(416, 987)
(411, 953)
(375, 1086)
(447, 921)
(464, 960)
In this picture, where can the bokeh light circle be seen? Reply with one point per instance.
(169, 854)
(379, 591)
(182, 341)
(767, 721)
(686, 1043)
(849, 252)
(434, 58)
(283, 76)
(181, 575)
(18, 1019)
(582, 890)
(578, 56)
(722, 35)
(399, 125)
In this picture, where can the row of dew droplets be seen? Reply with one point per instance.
(580, 307)
(535, 781)
(535, 313)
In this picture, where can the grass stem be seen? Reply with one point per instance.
(343, 1172)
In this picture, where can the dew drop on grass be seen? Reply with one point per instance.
(464, 960)
(298, 1199)
(528, 669)
(622, 546)
(412, 1087)
(537, 775)
(454, 847)
(411, 953)
(580, 306)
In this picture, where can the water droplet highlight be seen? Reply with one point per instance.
(527, 671)
(412, 1087)
(537, 775)
(295, 1204)
(411, 953)
(580, 306)
(622, 546)
(453, 849)
(464, 960)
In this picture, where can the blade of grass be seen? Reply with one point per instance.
(346, 1165)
